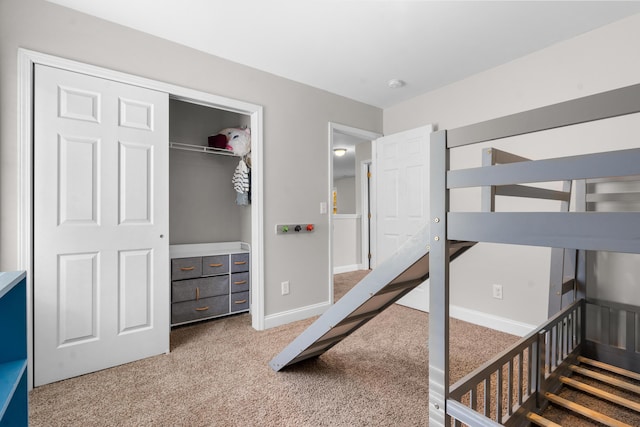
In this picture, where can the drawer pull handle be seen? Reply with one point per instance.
(215, 265)
(240, 262)
(187, 268)
(240, 282)
(202, 308)
(242, 301)
(197, 294)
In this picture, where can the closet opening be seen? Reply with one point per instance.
(210, 211)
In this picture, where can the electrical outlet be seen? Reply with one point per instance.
(285, 287)
(497, 291)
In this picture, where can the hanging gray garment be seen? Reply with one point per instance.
(242, 199)
(241, 183)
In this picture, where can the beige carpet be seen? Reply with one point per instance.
(217, 374)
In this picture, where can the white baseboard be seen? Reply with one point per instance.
(501, 324)
(346, 268)
(282, 318)
(487, 320)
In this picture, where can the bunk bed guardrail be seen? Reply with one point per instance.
(582, 231)
(506, 388)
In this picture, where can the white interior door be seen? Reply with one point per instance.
(402, 197)
(101, 249)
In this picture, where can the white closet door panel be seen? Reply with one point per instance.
(78, 180)
(136, 114)
(135, 284)
(101, 274)
(136, 174)
(79, 104)
(77, 293)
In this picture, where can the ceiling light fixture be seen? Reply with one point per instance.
(339, 151)
(395, 83)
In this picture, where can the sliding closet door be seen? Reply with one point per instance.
(101, 274)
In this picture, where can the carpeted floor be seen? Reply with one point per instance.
(217, 374)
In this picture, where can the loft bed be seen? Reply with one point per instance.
(516, 387)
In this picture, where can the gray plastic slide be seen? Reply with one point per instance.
(386, 284)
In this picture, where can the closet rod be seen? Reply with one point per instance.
(201, 149)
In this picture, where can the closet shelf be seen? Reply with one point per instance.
(201, 149)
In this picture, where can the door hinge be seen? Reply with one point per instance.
(369, 255)
(369, 175)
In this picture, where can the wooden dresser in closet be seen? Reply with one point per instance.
(209, 280)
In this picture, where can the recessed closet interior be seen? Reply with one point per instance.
(202, 200)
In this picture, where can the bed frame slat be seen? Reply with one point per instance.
(597, 165)
(583, 410)
(605, 379)
(601, 394)
(610, 368)
(608, 231)
(613, 103)
(541, 421)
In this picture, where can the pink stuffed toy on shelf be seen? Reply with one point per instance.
(237, 140)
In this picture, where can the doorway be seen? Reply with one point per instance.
(348, 193)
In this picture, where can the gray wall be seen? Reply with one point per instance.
(363, 154)
(294, 184)
(604, 59)
(346, 189)
(202, 205)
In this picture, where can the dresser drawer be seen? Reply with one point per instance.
(217, 264)
(186, 268)
(240, 301)
(193, 310)
(240, 282)
(193, 289)
(239, 262)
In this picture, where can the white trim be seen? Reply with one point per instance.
(365, 206)
(346, 216)
(257, 221)
(347, 268)
(330, 210)
(373, 200)
(282, 318)
(25, 185)
(490, 321)
(26, 61)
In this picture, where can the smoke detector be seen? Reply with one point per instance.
(395, 83)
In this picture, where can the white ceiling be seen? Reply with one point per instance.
(354, 47)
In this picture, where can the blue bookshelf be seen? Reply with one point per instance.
(13, 349)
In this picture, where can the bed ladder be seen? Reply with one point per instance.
(387, 283)
(562, 281)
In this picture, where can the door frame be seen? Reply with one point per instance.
(26, 62)
(358, 133)
(366, 221)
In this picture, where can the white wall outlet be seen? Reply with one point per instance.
(285, 287)
(323, 207)
(497, 291)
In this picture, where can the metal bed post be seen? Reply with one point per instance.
(580, 288)
(488, 193)
(439, 283)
